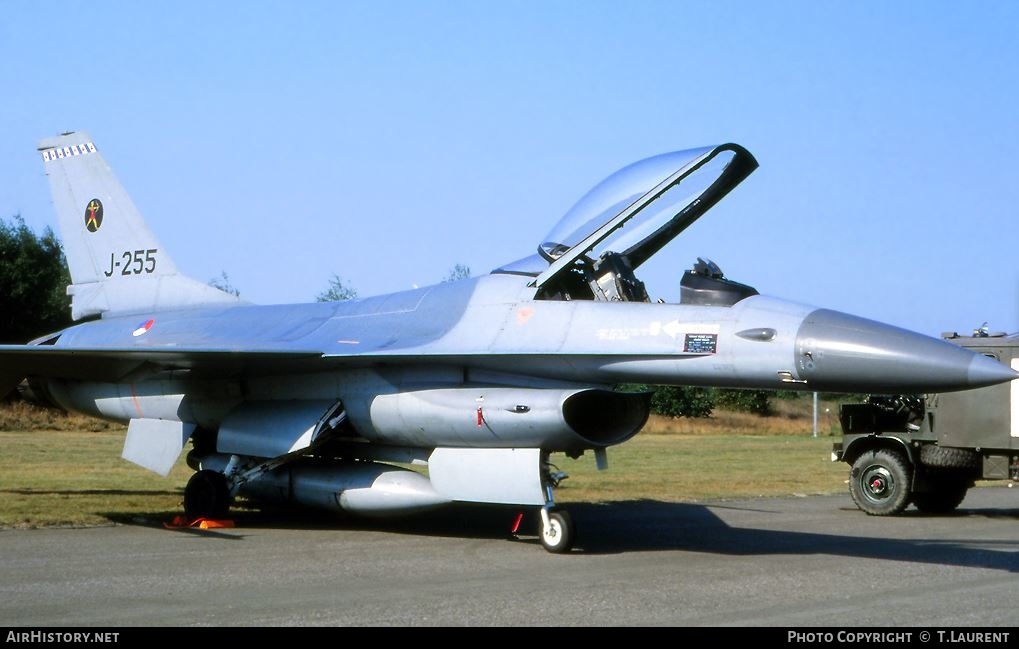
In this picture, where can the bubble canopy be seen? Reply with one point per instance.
(641, 207)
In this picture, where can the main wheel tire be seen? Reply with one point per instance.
(943, 498)
(207, 495)
(559, 534)
(879, 482)
(945, 457)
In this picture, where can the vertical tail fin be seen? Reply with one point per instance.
(116, 263)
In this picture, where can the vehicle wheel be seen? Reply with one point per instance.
(560, 533)
(879, 482)
(207, 495)
(943, 498)
(944, 457)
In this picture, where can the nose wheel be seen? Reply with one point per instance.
(556, 530)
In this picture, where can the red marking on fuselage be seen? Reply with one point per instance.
(137, 404)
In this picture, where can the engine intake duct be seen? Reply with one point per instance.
(604, 418)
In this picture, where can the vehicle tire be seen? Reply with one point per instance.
(943, 498)
(558, 537)
(207, 495)
(879, 482)
(944, 457)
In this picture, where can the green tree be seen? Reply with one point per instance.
(754, 401)
(677, 401)
(33, 282)
(337, 291)
(458, 272)
(683, 401)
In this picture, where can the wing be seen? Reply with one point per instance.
(19, 361)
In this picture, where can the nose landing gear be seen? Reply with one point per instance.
(555, 526)
(557, 531)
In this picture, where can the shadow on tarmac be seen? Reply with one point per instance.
(643, 526)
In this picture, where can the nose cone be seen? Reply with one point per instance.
(837, 352)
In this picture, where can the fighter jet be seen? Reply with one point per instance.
(479, 380)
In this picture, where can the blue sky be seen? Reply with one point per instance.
(387, 141)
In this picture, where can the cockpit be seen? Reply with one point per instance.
(595, 249)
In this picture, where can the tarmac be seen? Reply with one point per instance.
(795, 561)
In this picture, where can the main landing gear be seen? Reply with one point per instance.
(210, 491)
(207, 495)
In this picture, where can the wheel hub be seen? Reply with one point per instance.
(552, 532)
(878, 483)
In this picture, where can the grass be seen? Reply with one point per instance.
(66, 470)
(21, 416)
(60, 477)
(684, 468)
(727, 455)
